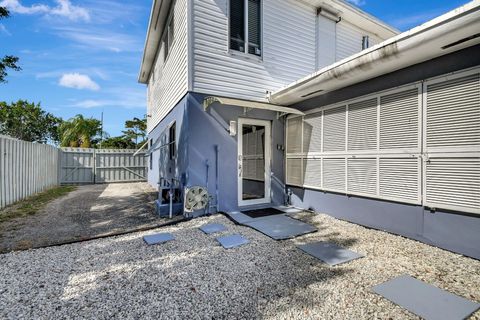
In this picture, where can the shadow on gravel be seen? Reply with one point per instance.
(194, 276)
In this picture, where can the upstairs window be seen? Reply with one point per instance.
(245, 26)
(365, 42)
(168, 37)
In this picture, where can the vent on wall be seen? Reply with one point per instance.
(456, 43)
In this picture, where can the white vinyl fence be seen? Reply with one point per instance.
(25, 169)
(89, 166)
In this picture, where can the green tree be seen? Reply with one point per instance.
(136, 130)
(120, 142)
(27, 121)
(7, 62)
(80, 132)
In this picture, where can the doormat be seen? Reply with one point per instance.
(259, 213)
(213, 228)
(158, 238)
(329, 252)
(232, 241)
(425, 300)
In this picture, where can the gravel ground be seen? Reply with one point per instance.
(194, 278)
(90, 211)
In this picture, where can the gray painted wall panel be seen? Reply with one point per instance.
(161, 165)
(455, 232)
(208, 129)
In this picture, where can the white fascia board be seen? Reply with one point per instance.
(156, 24)
(417, 45)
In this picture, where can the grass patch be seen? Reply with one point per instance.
(33, 204)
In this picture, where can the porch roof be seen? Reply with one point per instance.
(249, 104)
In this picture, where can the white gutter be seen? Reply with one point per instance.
(450, 32)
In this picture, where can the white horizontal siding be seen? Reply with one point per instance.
(349, 39)
(288, 50)
(171, 78)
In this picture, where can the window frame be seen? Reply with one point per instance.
(245, 53)
(172, 143)
(168, 37)
(151, 153)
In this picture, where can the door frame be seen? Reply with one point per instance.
(268, 156)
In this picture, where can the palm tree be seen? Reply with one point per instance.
(80, 132)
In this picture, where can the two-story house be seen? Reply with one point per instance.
(318, 103)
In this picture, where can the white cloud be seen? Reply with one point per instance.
(101, 39)
(358, 3)
(4, 30)
(78, 81)
(17, 7)
(87, 104)
(64, 8)
(116, 97)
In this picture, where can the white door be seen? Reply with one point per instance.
(254, 154)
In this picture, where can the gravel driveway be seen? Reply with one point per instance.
(193, 277)
(89, 211)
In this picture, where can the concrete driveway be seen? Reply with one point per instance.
(89, 212)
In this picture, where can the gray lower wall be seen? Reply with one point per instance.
(452, 231)
(159, 164)
(209, 129)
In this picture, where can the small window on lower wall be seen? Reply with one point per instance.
(151, 153)
(172, 148)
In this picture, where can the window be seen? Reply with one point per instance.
(171, 140)
(151, 154)
(167, 40)
(365, 42)
(245, 32)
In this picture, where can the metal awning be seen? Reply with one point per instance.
(208, 101)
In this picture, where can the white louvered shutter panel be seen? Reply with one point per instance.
(399, 120)
(362, 176)
(399, 179)
(294, 171)
(453, 183)
(334, 174)
(334, 122)
(294, 135)
(453, 113)
(452, 172)
(362, 125)
(313, 173)
(312, 133)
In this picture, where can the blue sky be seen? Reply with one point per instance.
(83, 56)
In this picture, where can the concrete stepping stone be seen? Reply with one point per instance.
(158, 238)
(425, 300)
(280, 227)
(330, 253)
(232, 241)
(213, 228)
